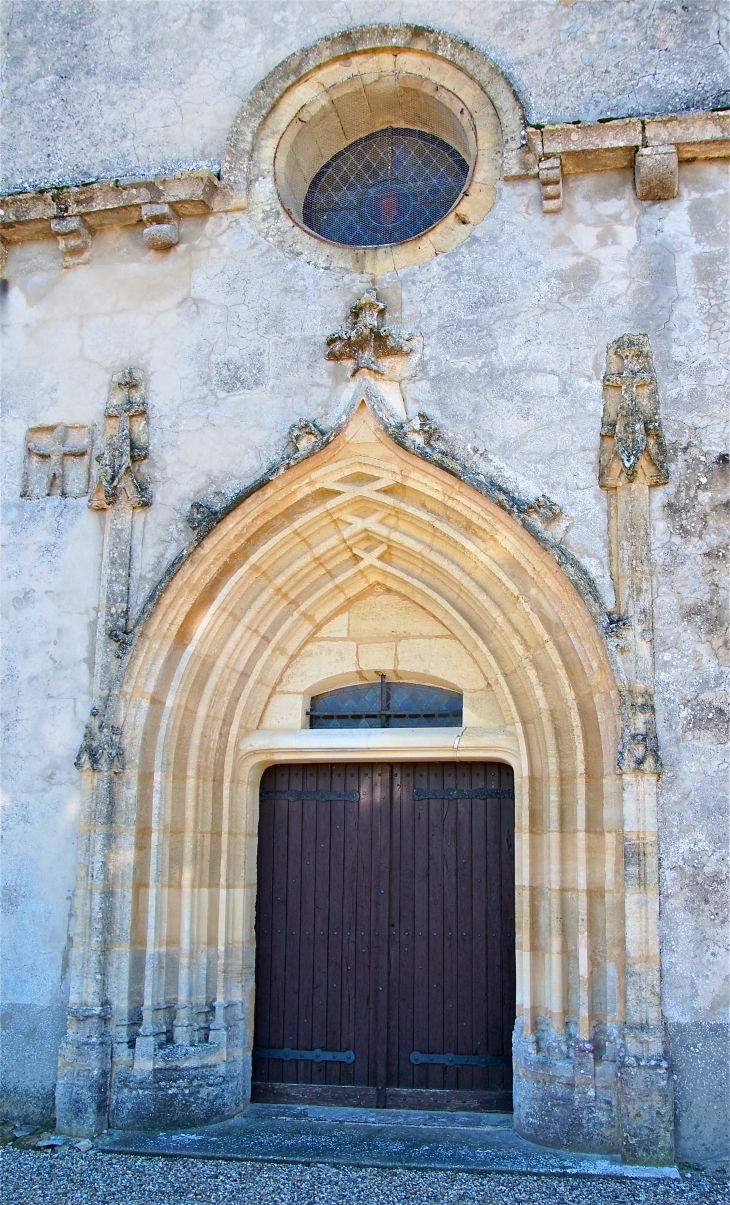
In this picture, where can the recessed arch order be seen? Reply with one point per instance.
(363, 513)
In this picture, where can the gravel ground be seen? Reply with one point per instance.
(67, 1177)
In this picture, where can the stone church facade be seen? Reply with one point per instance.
(252, 459)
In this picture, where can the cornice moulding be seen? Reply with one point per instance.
(580, 147)
(602, 145)
(26, 216)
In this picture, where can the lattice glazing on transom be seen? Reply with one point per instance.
(387, 705)
(385, 188)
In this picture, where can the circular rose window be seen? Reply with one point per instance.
(385, 188)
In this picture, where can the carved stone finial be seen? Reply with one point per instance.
(304, 433)
(421, 428)
(74, 239)
(367, 341)
(101, 749)
(631, 432)
(125, 442)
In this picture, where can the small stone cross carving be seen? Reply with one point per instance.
(631, 430)
(52, 476)
(125, 442)
(367, 341)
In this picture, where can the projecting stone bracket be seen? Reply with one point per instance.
(652, 146)
(74, 239)
(162, 229)
(656, 173)
(551, 184)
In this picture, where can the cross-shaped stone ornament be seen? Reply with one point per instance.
(367, 341)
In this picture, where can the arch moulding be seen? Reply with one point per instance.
(300, 586)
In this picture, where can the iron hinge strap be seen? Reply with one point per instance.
(309, 1056)
(461, 1060)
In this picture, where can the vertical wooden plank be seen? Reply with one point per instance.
(337, 1073)
(281, 922)
(293, 925)
(322, 889)
(453, 777)
(348, 1023)
(364, 1004)
(466, 954)
(421, 930)
(494, 923)
(380, 880)
(395, 926)
(507, 782)
(264, 926)
(403, 878)
(435, 926)
(307, 853)
(480, 1078)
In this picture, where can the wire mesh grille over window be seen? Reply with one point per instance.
(385, 188)
(387, 705)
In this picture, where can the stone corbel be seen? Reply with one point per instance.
(656, 173)
(162, 229)
(74, 239)
(551, 184)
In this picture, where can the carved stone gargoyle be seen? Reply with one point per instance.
(631, 431)
(367, 341)
(125, 443)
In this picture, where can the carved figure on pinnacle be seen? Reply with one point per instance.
(631, 431)
(125, 442)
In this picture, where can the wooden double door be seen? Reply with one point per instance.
(385, 956)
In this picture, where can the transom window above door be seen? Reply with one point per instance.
(387, 704)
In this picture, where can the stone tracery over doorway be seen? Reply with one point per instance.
(284, 599)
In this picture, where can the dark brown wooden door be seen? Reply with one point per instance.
(385, 931)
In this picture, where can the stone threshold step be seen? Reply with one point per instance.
(368, 1138)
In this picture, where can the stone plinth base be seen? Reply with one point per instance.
(588, 1096)
(186, 1086)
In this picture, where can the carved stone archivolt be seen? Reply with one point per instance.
(57, 461)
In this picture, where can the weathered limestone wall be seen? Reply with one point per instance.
(230, 334)
(112, 88)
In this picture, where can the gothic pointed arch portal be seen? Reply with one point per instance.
(362, 557)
